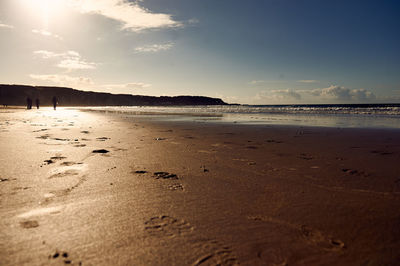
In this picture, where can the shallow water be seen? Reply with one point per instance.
(346, 116)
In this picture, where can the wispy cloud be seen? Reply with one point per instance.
(130, 14)
(129, 86)
(331, 94)
(342, 94)
(47, 54)
(264, 82)
(193, 21)
(70, 60)
(6, 26)
(256, 82)
(46, 33)
(64, 80)
(308, 81)
(279, 95)
(76, 63)
(153, 48)
(228, 98)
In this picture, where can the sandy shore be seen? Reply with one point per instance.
(185, 193)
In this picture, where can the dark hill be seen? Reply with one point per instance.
(17, 95)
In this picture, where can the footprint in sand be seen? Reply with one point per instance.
(211, 252)
(46, 136)
(176, 186)
(29, 224)
(49, 197)
(69, 163)
(63, 256)
(140, 172)
(164, 175)
(80, 145)
(119, 149)
(158, 175)
(355, 172)
(312, 236)
(274, 256)
(317, 238)
(167, 226)
(251, 147)
(205, 170)
(54, 159)
(102, 139)
(273, 141)
(100, 151)
(382, 152)
(305, 156)
(40, 130)
(67, 177)
(70, 172)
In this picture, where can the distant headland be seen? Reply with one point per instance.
(17, 95)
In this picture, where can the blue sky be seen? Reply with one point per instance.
(257, 52)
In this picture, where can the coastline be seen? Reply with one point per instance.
(233, 194)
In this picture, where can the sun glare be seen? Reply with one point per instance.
(46, 10)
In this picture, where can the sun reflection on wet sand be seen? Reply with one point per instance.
(40, 211)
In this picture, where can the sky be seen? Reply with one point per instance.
(249, 52)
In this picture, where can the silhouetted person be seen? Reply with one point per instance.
(37, 103)
(28, 103)
(54, 102)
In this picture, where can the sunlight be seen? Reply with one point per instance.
(44, 9)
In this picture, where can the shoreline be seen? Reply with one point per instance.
(194, 193)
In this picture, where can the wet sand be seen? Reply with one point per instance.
(98, 189)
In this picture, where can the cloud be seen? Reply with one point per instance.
(330, 94)
(279, 95)
(308, 81)
(362, 95)
(266, 82)
(130, 86)
(46, 54)
(343, 94)
(257, 82)
(193, 21)
(46, 33)
(228, 99)
(153, 48)
(64, 80)
(76, 63)
(70, 60)
(6, 26)
(132, 16)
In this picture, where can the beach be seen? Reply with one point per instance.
(94, 188)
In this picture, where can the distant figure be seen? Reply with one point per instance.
(28, 103)
(54, 102)
(37, 103)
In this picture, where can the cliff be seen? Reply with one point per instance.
(17, 95)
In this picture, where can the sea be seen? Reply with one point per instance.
(327, 115)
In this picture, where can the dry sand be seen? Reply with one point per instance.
(170, 193)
